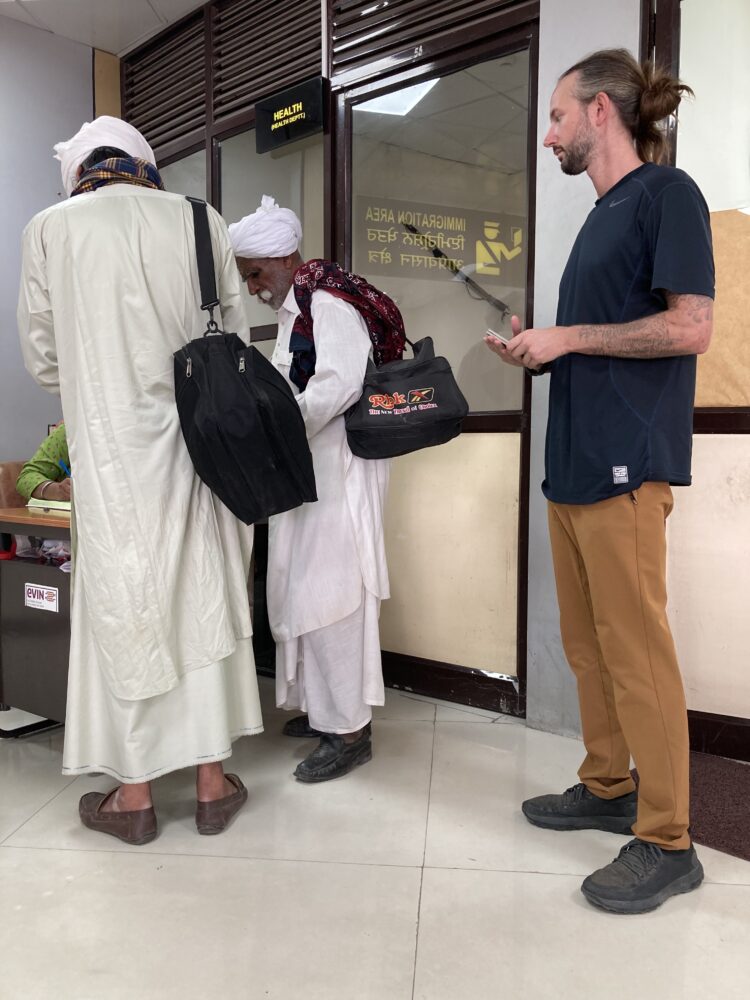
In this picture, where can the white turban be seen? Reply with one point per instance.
(103, 131)
(269, 232)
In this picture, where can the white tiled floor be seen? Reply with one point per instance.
(414, 877)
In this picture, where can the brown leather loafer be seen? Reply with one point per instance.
(137, 827)
(214, 817)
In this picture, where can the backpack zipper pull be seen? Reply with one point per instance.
(189, 369)
(242, 363)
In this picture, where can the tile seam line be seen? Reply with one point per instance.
(36, 812)
(210, 857)
(309, 861)
(424, 856)
(526, 871)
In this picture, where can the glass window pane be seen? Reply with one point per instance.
(293, 175)
(186, 176)
(713, 146)
(439, 183)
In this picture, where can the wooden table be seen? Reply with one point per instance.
(34, 641)
(21, 521)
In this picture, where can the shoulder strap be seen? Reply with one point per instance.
(204, 253)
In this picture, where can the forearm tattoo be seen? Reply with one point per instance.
(665, 334)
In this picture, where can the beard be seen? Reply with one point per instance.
(274, 296)
(576, 157)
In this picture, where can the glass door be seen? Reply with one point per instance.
(438, 191)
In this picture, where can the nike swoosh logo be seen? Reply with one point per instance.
(614, 204)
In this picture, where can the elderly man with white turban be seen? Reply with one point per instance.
(327, 572)
(161, 665)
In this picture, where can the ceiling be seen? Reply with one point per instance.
(477, 116)
(112, 25)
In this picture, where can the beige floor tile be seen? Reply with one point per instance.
(29, 775)
(89, 926)
(403, 707)
(481, 774)
(446, 709)
(491, 935)
(377, 814)
(445, 713)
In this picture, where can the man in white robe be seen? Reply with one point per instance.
(327, 571)
(161, 672)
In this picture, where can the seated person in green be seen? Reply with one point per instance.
(43, 476)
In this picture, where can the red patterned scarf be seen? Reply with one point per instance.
(380, 313)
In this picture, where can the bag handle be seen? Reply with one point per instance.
(205, 257)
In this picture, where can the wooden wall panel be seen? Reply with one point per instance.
(724, 371)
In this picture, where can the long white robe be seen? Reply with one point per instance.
(160, 623)
(326, 560)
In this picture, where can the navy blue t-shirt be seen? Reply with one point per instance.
(615, 423)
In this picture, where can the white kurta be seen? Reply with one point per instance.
(326, 560)
(160, 622)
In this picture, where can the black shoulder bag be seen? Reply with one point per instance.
(240, 420)
(406, 405)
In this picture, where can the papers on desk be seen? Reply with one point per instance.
(36, 504)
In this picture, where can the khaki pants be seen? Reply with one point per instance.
(610, 569)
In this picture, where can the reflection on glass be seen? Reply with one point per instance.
(186, 176)
(713, 146)
(293, 175)
(440, 193)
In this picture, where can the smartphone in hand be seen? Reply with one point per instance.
(498, 336)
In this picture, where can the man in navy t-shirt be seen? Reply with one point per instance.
(635, 308)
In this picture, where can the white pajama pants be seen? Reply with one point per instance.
(334, 673)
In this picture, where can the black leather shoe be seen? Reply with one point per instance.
(579, 809)
(333, 757)
(642, 877)
(300, 726)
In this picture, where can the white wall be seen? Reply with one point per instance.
(709, 532)
(45, 96)
(568, 31)
(714, 61)
(708, 575)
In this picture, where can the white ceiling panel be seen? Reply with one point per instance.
(451, 92)
(112, 25)
(503, 74)
(490, 113)
(16, 11)
(508, 150)
(173, 10)
(102, 24)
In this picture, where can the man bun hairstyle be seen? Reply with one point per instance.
(644, 95)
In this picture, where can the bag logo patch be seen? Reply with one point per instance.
(386, 401)
(382, 404)
(421, 395)
(619, 473)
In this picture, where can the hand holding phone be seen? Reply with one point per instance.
(498, 336)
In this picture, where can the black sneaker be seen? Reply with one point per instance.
(333, 757)
(579, 809)
(642, 877)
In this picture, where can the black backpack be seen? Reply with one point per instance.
(240, 420)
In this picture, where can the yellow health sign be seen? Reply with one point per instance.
(290, 115)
